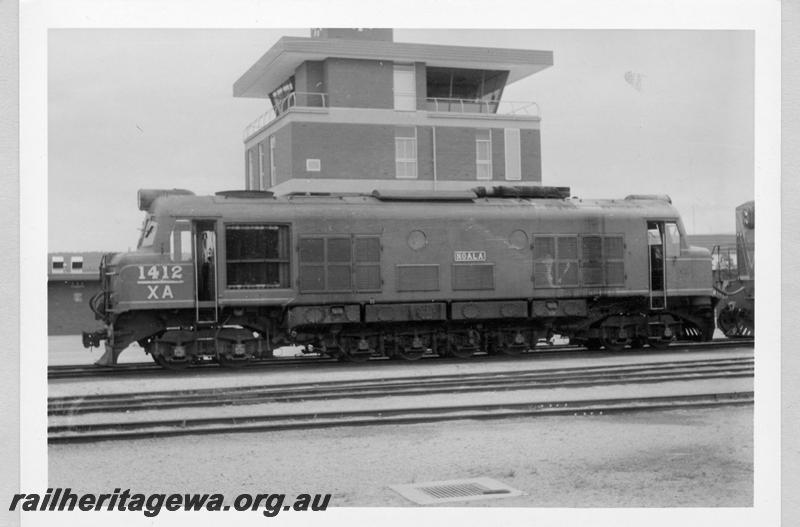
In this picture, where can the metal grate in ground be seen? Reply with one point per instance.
(433, 492)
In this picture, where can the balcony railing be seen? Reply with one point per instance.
(294, 99)
(432, 104)
(472, 106)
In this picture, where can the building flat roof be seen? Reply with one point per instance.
(279, 63)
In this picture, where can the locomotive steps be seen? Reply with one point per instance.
(405, 400)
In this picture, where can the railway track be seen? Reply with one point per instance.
(410, 415)
(694, 370)
(152, 369)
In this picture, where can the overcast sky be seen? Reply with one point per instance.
(622, 112)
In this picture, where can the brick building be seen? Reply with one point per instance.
(352, 110)
(72, 279)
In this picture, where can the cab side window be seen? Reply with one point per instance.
(180, 242)
(673, 239)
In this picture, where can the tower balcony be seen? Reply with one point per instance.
(293, 100)
(478, 106)
(433, 107)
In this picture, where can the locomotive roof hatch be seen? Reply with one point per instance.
(658, 197)
(245, 194)
(146, 196)
(416, 195)
(523, 192)
(477, 192)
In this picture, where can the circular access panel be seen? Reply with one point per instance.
(417, 240)
(518, 239)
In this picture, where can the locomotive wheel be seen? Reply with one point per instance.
(511, 349)
(508, 343)
(638, 343)
(409, 353)
(227, 357)
(661, 324)
(614, 344)
(350, 351)
(593, 344)
(463, 345)
(612, 341)
(732, 324)
(407, 347)
(659, 343)
(163, 355)
(171, 364)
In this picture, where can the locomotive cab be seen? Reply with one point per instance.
(166, 295)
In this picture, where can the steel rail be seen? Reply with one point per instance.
(405, 386)
(409, 415)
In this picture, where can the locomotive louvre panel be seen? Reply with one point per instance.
(614, 254)
(337, 278)
(312, 264)
(567, 248)
(558, 262)
(555, 261)
(473, 277)
(339, 263)
(615, 273)
(257, 256)
(338, 250)
(312, 250)
(367, 263)
(417, 277)
(368, 249)
(312, 278)
(592, 260)
(368, 277)
(338, 256)
(567, 274)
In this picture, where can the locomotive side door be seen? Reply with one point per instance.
(656, 267)
(205, 261)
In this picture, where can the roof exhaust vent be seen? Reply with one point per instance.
(146, 196)
(657, 197)
(245, 194)
(523, 192)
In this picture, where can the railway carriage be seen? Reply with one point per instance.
(235, 275)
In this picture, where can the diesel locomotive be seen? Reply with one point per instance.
(734, 277)
(232, 276)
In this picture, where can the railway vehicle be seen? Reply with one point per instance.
(232, 276)
(734, 277)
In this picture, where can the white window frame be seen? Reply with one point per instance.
(405, 161)
(313, 165)
(273, 171)
(55, 260)
(250, 169)
(405, 101)
(72, 261)
(260, 166)
(513, 151)
(488, 175)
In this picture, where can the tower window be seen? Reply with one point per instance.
(405, 147)
(483, 154)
